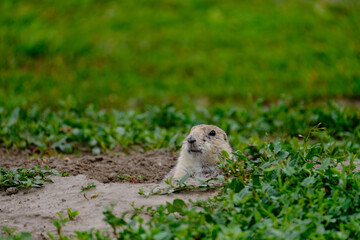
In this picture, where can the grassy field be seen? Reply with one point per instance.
(126, 54)
(77, 127)
(287, 188)
(136, 75)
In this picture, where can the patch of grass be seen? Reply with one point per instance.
(129, 178)
(89, 186)
(11, 235)
(25, 178)
(61, 221)
(283, 189)
(64, 173)
(130, 53)
(75, 127)
(288, 189)
(181, 186)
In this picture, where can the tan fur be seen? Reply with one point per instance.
(201, 157)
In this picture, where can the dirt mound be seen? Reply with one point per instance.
(153, 165)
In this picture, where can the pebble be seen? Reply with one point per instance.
(12, 190)
(112, 177)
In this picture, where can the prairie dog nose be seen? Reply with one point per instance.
(191, 139)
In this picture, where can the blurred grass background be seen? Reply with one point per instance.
(126, 54)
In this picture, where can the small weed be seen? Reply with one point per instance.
(114, 221)
(181, 186)
(61, 221)
(129, 178)
(10, 235)
(72, 214)
(64, 174)
(89, 186)
(23, 178)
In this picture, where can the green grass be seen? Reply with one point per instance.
(286, 185)
(286, 189)
(77, 127)
(99, 75)
(89, 186)
(25, 178)
(125, 54)
(275, 196)
(278, 196)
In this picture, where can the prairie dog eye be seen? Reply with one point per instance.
(212, 133)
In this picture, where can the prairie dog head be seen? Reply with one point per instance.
(204, 144)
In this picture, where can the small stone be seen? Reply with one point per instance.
(98, 159)
(94, 195)
(12, 190)
(112, 177)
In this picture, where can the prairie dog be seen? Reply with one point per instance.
(199, 155)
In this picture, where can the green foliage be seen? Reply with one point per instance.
(129, 178)
(25, 178)
(10, 235)
(281, 184)
(181, 185)
(72, 214)
(76, 126)
(128, 53)
(64, 174)
(60, 222)
(294, 197)
(89, 186)
(284, 189)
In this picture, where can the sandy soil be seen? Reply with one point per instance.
(153, 165)
(33, 210)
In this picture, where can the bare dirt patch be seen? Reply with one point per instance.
(33, 210)
(153, 165)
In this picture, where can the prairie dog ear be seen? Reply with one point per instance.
(225, 138)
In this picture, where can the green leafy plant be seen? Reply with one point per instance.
(61, 221)
(86, 127)
(129, 178)
(89, 186)
(181, 185)
(64, 174)
(25, 178)
(10, 235)
(278, 189)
